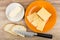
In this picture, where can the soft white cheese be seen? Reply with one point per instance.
(14, 12)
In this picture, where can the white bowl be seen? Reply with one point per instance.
(20, 14)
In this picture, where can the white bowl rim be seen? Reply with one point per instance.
(12, 19)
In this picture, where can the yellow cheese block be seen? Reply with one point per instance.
(32, 17)
(44, 14)
(39, 24)
(14, 12)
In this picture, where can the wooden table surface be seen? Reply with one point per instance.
(3, 20)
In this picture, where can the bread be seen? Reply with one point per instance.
(10, 28)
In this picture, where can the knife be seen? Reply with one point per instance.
(30, 34)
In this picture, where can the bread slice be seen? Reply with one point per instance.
(19, 28)
(8, 28)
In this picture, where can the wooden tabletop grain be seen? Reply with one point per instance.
(3, 20)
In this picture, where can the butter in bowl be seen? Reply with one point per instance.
(15, 12)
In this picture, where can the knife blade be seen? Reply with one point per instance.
(30, 34)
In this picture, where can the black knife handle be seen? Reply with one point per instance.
(44, 35)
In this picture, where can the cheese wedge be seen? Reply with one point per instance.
(44, 14)
(14, 12)
(32, 17)
(39, 24)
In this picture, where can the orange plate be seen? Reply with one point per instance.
(34, 7)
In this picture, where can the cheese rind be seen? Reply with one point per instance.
(44, 14)
(32, 17)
